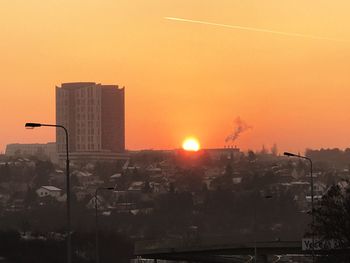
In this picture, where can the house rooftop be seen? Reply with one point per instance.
(116, 175)
(51, 188)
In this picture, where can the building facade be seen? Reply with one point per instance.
(94, 116)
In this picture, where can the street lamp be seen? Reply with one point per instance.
(32, 125)
(312, 198)
(255, 249)
(97, 258)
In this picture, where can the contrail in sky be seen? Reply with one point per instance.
(254, 29)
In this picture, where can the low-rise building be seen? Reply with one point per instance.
(33, 149)
(49, 190)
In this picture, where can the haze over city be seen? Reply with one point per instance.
(184, 79)
(174, 131)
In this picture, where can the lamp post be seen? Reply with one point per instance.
(32, 125)
(97, 258)
(255, 249)
(312, 198)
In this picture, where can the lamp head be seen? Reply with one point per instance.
(32, 125)
(288, 154)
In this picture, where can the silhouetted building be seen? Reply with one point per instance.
(224, 153)
(94, 115)
(40, 150)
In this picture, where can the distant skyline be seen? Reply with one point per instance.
(183, 79)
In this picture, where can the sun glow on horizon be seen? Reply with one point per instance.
(191, 144)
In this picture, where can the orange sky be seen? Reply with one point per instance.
(181, 78)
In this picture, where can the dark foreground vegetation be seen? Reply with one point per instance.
(15, 248)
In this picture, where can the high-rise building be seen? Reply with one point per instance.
(94, 115)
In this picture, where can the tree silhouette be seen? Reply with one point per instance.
(332, 221)
(42, 171)
(332, 216)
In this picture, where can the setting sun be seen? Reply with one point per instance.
(191, 144)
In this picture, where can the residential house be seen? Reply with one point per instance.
(99, 200)
(49, 191)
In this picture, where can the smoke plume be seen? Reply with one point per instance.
(239, 127)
